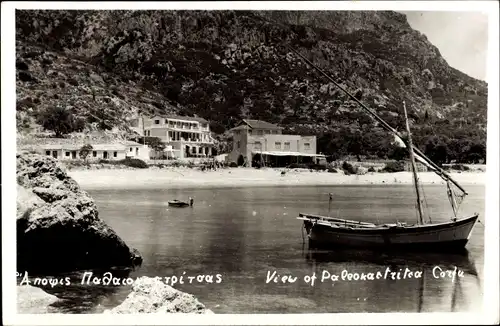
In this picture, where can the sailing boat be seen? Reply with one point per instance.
(422, 235)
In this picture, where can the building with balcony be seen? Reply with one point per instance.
(183, 136)
(257, 142)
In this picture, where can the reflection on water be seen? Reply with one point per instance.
(246, 233)
(436, 269)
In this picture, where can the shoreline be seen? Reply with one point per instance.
(250, 177)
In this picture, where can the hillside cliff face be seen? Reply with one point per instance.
(227, 65)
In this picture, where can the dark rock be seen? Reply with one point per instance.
(21, 65)
(73, 81)
(58, 226)
(27, 77)
(32, 54)
(50, 195)
(150, 295)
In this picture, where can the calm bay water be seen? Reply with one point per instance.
(242, 233)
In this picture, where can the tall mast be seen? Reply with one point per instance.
(414, 167)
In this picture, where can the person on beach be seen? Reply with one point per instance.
(191, 201)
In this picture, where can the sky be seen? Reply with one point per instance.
(461, 37)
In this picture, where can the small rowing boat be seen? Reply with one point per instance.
(178, 203)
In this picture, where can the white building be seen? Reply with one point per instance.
(105, 151)
(183, 136)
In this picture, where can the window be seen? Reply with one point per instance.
(105, 155)
(258, 145)
(157, 122)
(307, 146)
(115, 154)
(238, 144)
(47, 152)
(287, 145)
(267, 132)
(260, 132)
(67, 153)
(277, 145)
(94, 153)
(131, 149)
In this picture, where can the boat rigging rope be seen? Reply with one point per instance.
(438, 170)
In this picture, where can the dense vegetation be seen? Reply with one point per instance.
(105, 67)
(130, 162)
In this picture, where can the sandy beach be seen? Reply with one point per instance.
(237, 177)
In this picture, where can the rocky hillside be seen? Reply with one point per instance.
(107, 66)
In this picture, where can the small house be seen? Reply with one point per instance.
(105, 151)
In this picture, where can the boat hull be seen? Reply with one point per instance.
(178, 204)
(430, 237)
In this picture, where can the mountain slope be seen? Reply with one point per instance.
(228, 65)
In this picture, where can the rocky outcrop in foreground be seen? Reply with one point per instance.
(150, 295)
(33, 300)
(58, 226)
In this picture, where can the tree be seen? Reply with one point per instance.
(104, 120)
(156, 144)
(398, 153)
(85, 151)
(59, 120)
(217, 127)
(436, 148)
(223, 144)
(475, 152)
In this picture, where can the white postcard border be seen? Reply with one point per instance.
(8, 129)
